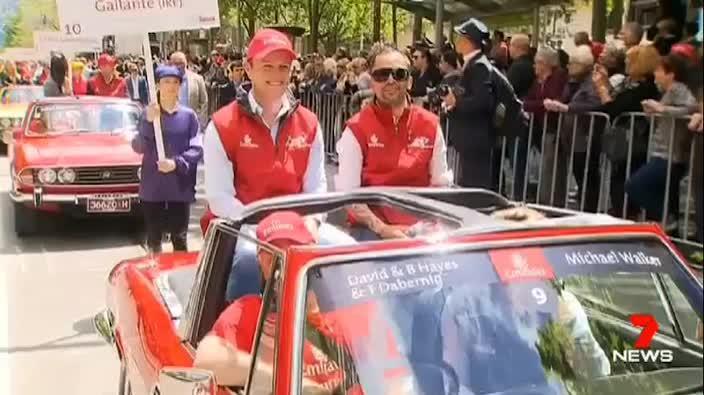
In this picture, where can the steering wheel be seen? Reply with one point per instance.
(433, 376)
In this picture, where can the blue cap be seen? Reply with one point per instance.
(168, 71)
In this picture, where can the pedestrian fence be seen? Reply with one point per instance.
(582, 161)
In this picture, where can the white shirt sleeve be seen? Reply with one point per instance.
(219, 177)
(315, 180)
(440, 174)
(349, 157)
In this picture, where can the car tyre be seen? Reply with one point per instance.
(27, 220)
(124, 384)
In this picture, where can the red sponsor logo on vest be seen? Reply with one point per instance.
(520, 264)
(247, 142)
(421, 142)
(298, 142)
(374, 142)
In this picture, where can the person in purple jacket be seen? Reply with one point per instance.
(167, 186)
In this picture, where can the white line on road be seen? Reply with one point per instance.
(5, 385)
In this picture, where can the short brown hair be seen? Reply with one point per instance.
(677, 65)
(379, 49)
(642, 61)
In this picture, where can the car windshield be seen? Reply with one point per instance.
(22, 95)
(84, 117)
(536, 320)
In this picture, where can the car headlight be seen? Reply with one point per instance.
(46, 176)
(67, 176)
(5, 122)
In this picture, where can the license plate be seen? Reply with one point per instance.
(108, 204)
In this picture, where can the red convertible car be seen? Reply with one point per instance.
(478, 303)
(72, 155)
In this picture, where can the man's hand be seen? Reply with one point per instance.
(166, 165)
(393, 232)
(313, 227)
(652, 106)
(153, 111)
(696, 122)
(450, 100)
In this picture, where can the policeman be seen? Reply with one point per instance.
(470, 107)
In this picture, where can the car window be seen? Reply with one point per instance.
(690, 324)
(261, 379)
(545, 320)
(21, 95)
(85, 118)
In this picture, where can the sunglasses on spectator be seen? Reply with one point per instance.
(382, 75)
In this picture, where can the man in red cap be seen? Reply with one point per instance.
(107, 82)
(260, 146)
(226, 350)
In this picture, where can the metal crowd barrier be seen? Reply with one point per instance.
(562, 163)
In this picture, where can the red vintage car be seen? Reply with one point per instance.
(72, 155)
(478, 303)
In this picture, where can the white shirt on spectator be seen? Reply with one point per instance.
(350, 162)
(219, 171)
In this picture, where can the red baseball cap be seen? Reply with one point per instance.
(106, 60)
(284, 225)
(267, 41)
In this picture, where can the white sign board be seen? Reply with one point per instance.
(103, 17)
(20, 54)
(45, 42)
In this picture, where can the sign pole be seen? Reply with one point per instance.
(69, 75)
(151, 82)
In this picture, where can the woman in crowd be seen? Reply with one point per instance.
(647, 186)
(639, 85)
(426, 74)
(328, 80)
(613, 62)
(57, 84)
(578, 98)
(80, 84)
(10, 75)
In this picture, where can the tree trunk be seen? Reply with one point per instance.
(376, 34)
(314, 24)
(599, 20)
(616, 17)
(394, 23)
(417, 27)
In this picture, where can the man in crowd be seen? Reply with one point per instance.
(263, 145)
(193, 93)
(390, 143)
(470, 107)
(521, 74)
(499, 51)
(631, 34)
(168, 185)
(137, 85)
(107, 82)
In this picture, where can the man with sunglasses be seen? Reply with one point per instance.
(263, 145)
(390, 143)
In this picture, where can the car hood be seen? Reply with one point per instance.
(86, 149)
(14, 110)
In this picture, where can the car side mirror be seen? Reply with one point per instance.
(186, 381)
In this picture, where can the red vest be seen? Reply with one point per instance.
(395, 154)
(263, 169)
(116, 87)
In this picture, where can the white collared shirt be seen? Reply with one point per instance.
(135, 87)
(219, 171)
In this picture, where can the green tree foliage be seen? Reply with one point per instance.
(12, 30)
(330, 23)
(31, 15)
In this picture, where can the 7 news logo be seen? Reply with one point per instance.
(642, 351)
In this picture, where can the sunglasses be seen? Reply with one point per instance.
(382, 75)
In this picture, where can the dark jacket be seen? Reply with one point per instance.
(553, 88)
(521, 75)
(473, 112)
(143, 91)
(580, 97)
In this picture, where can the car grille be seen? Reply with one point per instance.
(107, 175)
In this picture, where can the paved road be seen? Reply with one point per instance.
(50, 288)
